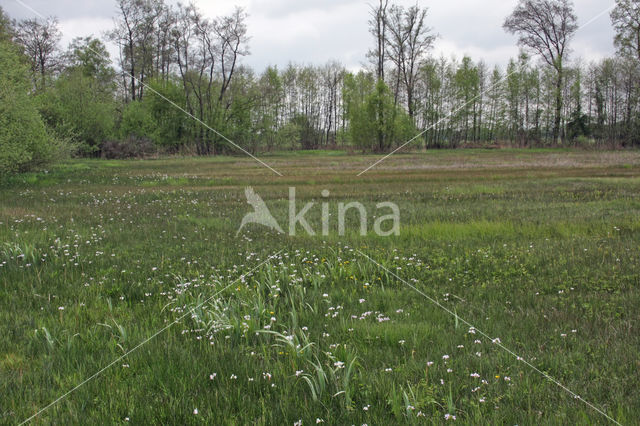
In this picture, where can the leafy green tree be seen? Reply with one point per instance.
(371, 112)
(80, 106)
(169, 124)
(24, 142)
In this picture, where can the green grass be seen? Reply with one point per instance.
(536, 248)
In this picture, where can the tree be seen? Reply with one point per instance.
(24, 142)
(546, 27)
(134, 32)
(378, 29)
(7, 31)
(90, 56)
(365, 99)
(40, 42)
(80, 106)
(409, 40)
(626, 22)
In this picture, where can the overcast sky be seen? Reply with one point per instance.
(315, 31)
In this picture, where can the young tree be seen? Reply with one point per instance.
(546, 27)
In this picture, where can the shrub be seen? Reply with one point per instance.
(24, 142)
(131, 147)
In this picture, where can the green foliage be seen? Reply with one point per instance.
(80, 106)
(169, 124)
(24, 142)
(137, 121)
(77, 108)
(375, 122)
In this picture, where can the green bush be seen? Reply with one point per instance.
(24, 142)
(78, 109)
(137, 121)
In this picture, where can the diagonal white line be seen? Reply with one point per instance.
(146, 86)
(455, 111)
(148, 339)
(496, 342)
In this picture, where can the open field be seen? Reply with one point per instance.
(539, 249)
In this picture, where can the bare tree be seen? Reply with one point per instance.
(134, 31)
(546, 26)
(408, 43)
(378, 28)
(232, 34)
(626, 21)
(40, 41)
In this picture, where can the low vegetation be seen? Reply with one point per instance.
(537, 249)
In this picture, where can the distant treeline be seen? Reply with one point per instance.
(180, 87)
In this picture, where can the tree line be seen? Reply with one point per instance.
(179, 86)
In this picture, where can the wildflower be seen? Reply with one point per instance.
(449, 416)
(319, 421)
(449, 370)
(366, 407)
(474, 375)
(388, 370)
(481, 400)
(299, 372)
(298, 423)
(496, 340)
(445, 357)
(195, 411)
(338, 364)
(429, 363)
(361, 300)
(233, 377)
(507, 378)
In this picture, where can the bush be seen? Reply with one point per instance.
(24, 142)
(131, 147)
(77, 109)
(137, 121)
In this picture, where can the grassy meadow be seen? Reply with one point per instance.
(537, 249)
